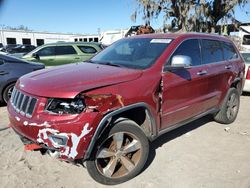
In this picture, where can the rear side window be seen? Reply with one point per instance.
(212, 51)
(65, 50)
(87, 49)
(229, 51)
(190, 48)
(47, 51)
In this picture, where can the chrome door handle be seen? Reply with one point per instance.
(200, 73)
(228, 66)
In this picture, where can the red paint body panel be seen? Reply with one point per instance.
(69, 80)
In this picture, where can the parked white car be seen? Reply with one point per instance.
(246, 56)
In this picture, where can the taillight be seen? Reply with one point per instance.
(248, 73)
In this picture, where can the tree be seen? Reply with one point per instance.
(20, 27)
(189, 15)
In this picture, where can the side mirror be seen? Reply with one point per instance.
(181, 61)
(36, 56)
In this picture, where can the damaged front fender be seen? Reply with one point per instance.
(103, 103)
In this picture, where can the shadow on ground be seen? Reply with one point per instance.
(2, 104)
(246, 93)
(174, 134)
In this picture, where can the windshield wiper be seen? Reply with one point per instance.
(110, 64)
(89, 61)
(104, 63)
(113, 64)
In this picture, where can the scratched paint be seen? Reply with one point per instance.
(76, 139)
(70, 152)
(45, 124)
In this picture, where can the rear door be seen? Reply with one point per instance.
(184, 90)
(219, 69)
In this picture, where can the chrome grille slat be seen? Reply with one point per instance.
(28, 105)
(16, 98)
(13, 95)
(22, 103)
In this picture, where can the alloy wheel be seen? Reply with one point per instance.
(119, 154)
(232, 106)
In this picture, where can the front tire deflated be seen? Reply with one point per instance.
(120, 155)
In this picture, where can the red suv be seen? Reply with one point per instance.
(106, 111)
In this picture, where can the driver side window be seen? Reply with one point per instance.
(190, 48)
(47, 51)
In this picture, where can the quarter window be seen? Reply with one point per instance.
(229, 51)
(65, 50)
(190, 48)
(87, 49)
(47, 51)
(211, 51)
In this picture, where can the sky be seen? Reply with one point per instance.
(77, 16)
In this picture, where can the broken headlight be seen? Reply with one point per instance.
(65, 106)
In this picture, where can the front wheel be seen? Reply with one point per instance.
(7, 92)
(121, 155)
(229, 108)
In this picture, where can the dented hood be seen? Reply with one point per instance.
(69, 80)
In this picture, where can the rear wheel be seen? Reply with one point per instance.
(121, 155)
(229, 108)
(7, 92)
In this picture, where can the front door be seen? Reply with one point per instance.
(185, 90)
(46, 55)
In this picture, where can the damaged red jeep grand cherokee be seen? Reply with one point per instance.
(106, 111)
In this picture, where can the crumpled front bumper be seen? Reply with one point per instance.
(66, 136)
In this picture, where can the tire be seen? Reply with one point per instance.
(229, 108)
(113, 161)
(7, 92)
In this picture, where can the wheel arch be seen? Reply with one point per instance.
(113, 116)
(237, 83)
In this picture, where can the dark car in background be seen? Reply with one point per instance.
(18, 50)
(1, 46)
(11, 69)
(8, 47)
(24, 48)
(63, 53)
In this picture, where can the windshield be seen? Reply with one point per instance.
(136, 53)
(246, 57)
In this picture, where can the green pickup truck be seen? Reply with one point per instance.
(63, 53)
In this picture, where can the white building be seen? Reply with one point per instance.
(108, 37)
(40, 38)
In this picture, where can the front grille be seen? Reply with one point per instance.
(23, 104)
